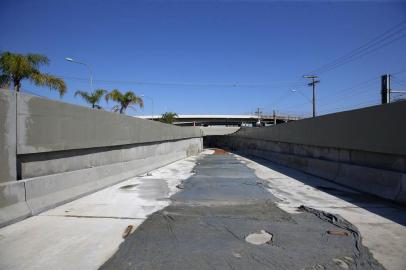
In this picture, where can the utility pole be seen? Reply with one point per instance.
(274, 117)
(259, 116)
(386, 89)
(313, 84)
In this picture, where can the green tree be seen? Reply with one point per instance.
(124, 100)
(92, 98)
(16, 67)
(168, 117)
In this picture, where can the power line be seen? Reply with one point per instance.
(398, 81)
(354, 106)
(364, 49)
(357, 86)
(231, 85)
(364, 54)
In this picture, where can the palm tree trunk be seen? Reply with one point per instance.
(17, 85)
(122, 109)
(92, 105)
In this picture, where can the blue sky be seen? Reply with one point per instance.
(211, 57)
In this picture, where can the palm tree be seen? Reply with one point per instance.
(93, 98)
(125, 100)
(16, 67)
(168, 117)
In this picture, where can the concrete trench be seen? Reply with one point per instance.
(225, 218)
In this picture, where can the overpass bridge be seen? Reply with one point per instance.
(227, 120)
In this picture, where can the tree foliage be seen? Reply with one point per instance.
(92, 98)
(16, 67)
(168, 117)
(124, 100)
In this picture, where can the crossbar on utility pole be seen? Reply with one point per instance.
(313, 84)
(386, 89)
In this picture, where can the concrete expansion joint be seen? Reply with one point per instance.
(26, 199)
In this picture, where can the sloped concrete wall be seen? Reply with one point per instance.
(379, 129)
(54, 152)
(211, 131)
(363, 149)
(47, 125)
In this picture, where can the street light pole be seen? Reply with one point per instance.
(88, 67)
(152, 105)
(313, 84)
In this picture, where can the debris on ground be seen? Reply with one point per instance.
(218, 151)
(337, 232)
(127, 231)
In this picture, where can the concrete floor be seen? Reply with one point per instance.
(85, 233)
(382, 224)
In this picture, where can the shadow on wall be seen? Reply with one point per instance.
(371, 203)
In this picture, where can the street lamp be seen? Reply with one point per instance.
(152, 105)
(88, 67)
(313, 84)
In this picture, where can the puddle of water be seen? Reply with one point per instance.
(259, 238)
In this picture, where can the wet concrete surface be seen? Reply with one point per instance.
(218, 219)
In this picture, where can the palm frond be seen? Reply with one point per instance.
(114, 95)
(54, 83)
(168, 117)
(18, 67)
(92, 98)
(84, 95)
(5, 81)
(98, 93)
(37, 59)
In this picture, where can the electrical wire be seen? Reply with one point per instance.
(230, 85)
(367, 48)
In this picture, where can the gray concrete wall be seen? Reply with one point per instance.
(380, 129)
(7, 136)
(363, 149)
(218, 130)
(61, 151)
(20, 199)
(47, 125)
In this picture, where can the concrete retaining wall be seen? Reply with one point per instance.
(218, 130)
(363, 149)
(45, 125)
(53, 152)
(8, 150)
(379, 129)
